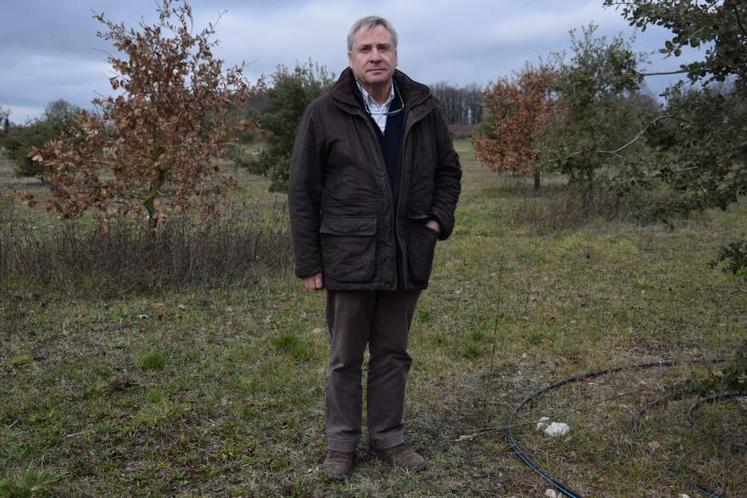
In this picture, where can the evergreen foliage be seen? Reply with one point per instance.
(286, 100)
(19, 140)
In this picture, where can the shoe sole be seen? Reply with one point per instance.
(338, 477)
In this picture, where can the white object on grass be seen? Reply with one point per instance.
(557, 429)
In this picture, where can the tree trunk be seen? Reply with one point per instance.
(588, 189)
(150, 199)
(537, 179)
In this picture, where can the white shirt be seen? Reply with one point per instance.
(377, 111)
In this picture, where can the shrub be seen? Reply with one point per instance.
(567, 207)
(733, 258)
(121, 256)
(601, 109)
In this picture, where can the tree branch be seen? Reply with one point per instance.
(739, 20)
(640, 134)
(685, 170)
(616, 152)
(664, 73)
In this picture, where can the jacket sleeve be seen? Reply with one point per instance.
(448, 177)
(304, 196)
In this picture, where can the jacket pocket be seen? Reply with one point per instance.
(421, 244)
(349, 247)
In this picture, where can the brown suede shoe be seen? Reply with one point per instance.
(402, 456)
(338, 465)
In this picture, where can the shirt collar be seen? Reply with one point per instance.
(370, 101)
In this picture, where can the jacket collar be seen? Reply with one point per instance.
(413, 93)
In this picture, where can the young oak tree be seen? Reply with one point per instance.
(706, 141)
(598, 87)
(153, 146)
(516, 109)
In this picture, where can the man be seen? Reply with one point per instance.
(374, 183)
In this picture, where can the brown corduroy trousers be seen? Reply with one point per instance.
(381, 320)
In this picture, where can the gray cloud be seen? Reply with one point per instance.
(50, 48)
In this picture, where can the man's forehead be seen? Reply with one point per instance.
(377, 34)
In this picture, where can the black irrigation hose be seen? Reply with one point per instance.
(711, 399)
(568, 492)
(651, 404)
(565, 490)
(715, 399)
(705, 491)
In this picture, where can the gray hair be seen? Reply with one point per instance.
(369, 22)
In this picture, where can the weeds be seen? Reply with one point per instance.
(29, 483)
(121, 257)
(559, 207)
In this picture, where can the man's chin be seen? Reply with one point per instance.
(378, 79)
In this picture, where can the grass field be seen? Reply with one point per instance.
(219, 391)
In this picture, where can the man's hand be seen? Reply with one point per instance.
(433, 225)
(313, 282)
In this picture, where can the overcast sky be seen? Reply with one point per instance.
(49, 49)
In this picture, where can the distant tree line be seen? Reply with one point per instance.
(460, 105)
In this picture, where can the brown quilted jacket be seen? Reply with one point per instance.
(346, 221)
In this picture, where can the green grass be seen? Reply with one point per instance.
(152, 361)
(219, 391)
(29, 483)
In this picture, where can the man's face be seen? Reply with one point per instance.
(373, 56)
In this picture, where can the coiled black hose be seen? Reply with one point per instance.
(562, 488)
